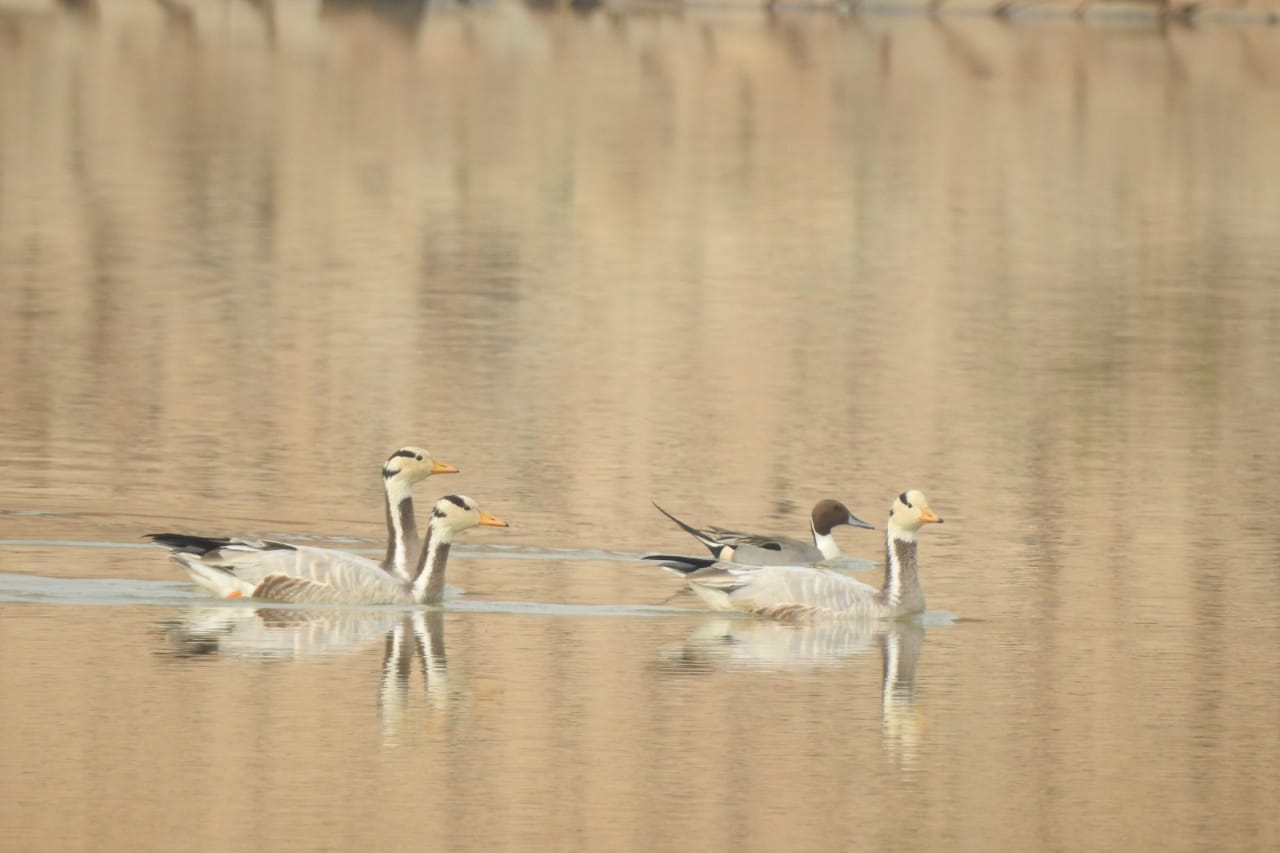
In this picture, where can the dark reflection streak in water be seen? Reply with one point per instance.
(85, 10)
(266, 9)
(181, 20)
(1209, 664)
(1252, 57)
(402, 16)
(962, 51)
(1045, 569)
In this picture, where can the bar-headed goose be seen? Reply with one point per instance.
(761, 550)
(404, 469)
(799, 593)
(299, 574)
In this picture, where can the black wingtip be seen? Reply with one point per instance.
(680, 563)
(181, 542)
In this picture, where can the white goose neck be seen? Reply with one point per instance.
(402, 530)
(428, 578)
(397, 489)
(901, 592)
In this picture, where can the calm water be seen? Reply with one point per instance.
(729, 262)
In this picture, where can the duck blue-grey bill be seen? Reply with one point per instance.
(854, 521)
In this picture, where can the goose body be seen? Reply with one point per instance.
(403, 469)
(757, 549)
(800, 593)
(299, 574)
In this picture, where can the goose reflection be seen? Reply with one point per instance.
(757, 644)
(414, 641)
(418, 636)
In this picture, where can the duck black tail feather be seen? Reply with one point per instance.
(681, 564)
(712, 545)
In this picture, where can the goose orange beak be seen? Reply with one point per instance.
(438, 467)
(491, 521)
(928, 516)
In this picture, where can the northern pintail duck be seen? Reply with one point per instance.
(798, 593)
(757, 549)
(299, 574)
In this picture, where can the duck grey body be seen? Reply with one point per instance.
(756, 549)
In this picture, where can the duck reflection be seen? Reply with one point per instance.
(736, 643)
(414, 641)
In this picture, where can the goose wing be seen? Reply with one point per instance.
(305, 575)
(276, 571)
(791, 593)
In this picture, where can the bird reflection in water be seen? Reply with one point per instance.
(757, 644)
(414, 640)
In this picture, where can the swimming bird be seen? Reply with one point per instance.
(761, 550)
(800, 593)
(404, 469)
(300, 574)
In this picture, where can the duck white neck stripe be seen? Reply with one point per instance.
(826, 543)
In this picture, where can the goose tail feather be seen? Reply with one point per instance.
(182, 543)
(219, 580)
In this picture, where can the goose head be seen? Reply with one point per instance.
(454, 513)
(410, 465)
(910, 512)
(831, 513)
